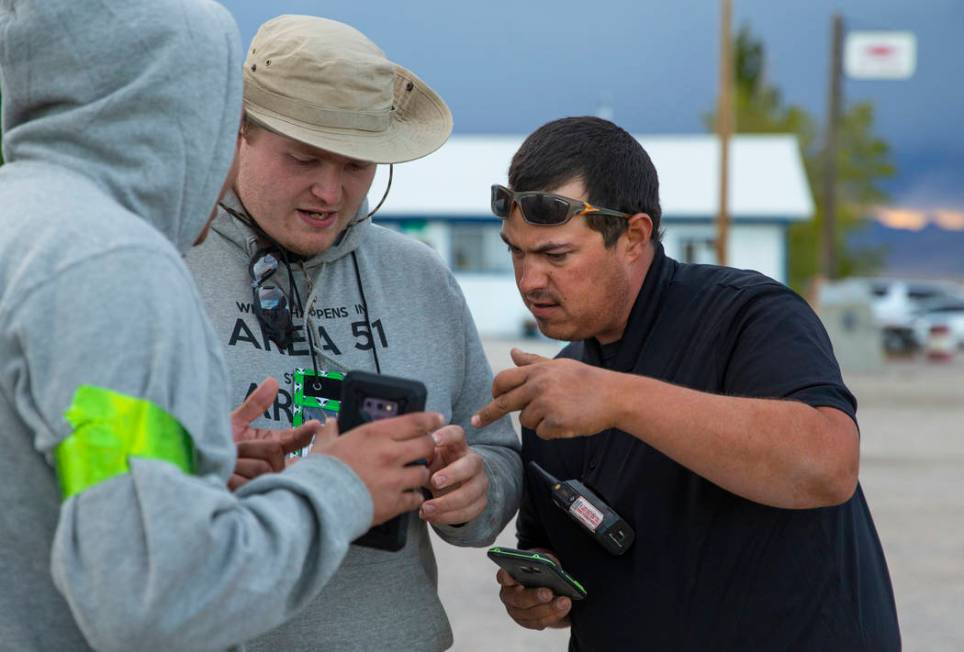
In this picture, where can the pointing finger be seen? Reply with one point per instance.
(523, 358)
(516, 399)
(257, 402)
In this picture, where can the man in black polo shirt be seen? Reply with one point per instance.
(702, 403)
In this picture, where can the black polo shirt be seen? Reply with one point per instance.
(710, 570)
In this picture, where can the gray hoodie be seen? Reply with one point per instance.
(420, 328)
(119, 125)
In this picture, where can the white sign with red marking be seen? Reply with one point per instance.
(586, 513)
(880, 55)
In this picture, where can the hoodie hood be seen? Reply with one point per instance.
(146, 102)
(244, 237)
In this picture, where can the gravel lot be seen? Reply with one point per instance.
(912, 472)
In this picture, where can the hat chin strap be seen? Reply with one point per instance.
(391, 168)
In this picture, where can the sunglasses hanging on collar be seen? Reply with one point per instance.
(271, 305)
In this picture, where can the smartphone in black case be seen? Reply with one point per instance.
(535, 570)
(367, 397)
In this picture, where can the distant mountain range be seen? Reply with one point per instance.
(932, 252)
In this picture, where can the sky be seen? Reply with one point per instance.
(509, 66)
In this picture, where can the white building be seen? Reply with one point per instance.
(443, 199)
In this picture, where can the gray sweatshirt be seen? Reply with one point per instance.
(420, 328)
(119, 123)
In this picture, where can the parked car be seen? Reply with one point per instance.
(898, 304)
(948, 311)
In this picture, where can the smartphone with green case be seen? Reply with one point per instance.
(535, 570)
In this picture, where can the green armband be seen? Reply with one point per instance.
(109, 428)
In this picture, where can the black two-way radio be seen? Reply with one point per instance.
(590, 511)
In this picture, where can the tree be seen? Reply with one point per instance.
(863, 160)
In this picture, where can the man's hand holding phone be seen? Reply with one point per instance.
(380, 453)
(458, 482)
(533, 608)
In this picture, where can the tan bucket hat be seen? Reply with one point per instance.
(324, 83)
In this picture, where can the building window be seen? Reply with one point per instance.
(477, 248)
(698, 250)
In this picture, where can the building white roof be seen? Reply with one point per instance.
(767, 178)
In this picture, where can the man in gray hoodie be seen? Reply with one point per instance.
(324, 106)
(117, 530)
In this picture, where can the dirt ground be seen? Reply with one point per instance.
(912, 471)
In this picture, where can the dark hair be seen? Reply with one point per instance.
(613, 166)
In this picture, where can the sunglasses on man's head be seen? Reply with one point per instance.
(544, 208)
(270, 303)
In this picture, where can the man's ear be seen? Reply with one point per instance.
(248, 129)
(639, 232)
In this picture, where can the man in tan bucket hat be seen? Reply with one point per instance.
(296, 277)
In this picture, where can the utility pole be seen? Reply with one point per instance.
(724, 128)
(828, 258)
